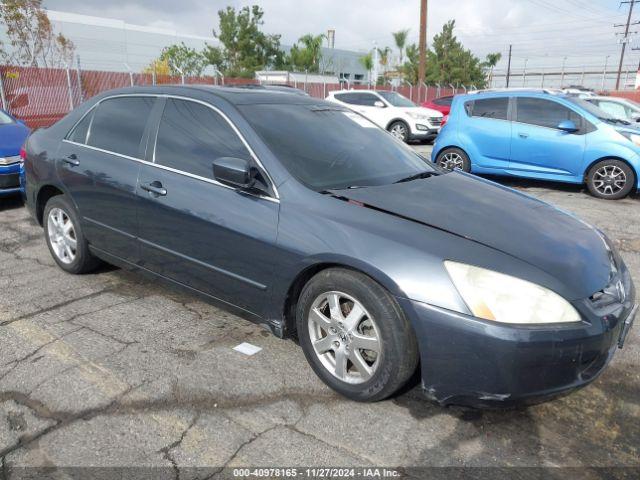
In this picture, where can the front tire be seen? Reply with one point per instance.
(610, 179)
(64, 237)
(355, 336)
(454, 159)
(400, 130)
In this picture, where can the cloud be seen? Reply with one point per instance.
(542, 31)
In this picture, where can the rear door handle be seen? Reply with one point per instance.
(72, 160)
(523, 135)
(155, 188)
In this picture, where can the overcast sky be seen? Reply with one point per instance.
(542, 32)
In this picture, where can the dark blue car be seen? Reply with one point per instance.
(13, 133)
(306, 217)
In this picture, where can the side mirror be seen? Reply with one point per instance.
(379, 104)
(234, 172)
(568, 126)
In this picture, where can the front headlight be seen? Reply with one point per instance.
(417, 116)
(632, 137)
(494, 296)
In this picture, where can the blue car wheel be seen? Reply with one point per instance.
(454, 159)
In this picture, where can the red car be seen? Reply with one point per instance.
(441, 104)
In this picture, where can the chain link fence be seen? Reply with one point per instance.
(42, 96)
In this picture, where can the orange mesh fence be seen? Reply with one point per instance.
(42, 96)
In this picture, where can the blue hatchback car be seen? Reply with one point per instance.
(13, 134)
(544, 135)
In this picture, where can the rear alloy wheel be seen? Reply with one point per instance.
(454, 159)
(354, 335)
(400, 130)
(610, 179)
(64, 237)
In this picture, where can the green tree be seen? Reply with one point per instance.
(183, 60)
(448, 62)
(306, 54)
(384, 54)
(400, 37)
(410, 68)
(367, 62)
(244, 48)
(31, 37)
(490, 62)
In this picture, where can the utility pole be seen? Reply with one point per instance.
(423, 41)
(625, 39)
(509, 66)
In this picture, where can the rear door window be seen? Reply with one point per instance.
(544, 113)
(496, 108)
(191, 136)
(79, 133)
(118, 124)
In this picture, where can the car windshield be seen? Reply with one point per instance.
(396, 99)
(5, 119)
(329, 147)
(591, 108)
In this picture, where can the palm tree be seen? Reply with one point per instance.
(400, 38)
(491, 61)
(367, 62)
(383, 54)
(313, 44)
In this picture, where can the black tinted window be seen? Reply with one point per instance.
(347, 97)
(191, 136)
(544, 113)
(491, 108)
(366, 99)
(329, 147)
(445, 101)
(79, 133)
(118, 124)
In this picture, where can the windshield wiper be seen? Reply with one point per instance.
(614, 120)
(417, 176)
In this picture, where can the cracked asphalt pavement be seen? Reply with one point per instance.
(111, 369)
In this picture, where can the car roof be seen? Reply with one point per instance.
(352, 90)
(233, 95)
(512, 92)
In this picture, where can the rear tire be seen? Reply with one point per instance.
(454, 159)
(333, 340)
(610, 179)
(64, 237)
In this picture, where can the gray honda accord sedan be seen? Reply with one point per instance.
(306, 217)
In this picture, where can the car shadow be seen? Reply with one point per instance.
(11, 203)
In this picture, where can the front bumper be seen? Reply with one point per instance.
(429, 134)
(469, 361)
(11, 179)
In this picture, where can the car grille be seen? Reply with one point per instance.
(435, 121)
(10, 181)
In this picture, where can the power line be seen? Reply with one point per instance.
(625, 40)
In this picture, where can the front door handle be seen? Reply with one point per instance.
(523, 135)
(72, 160)
(154, 188)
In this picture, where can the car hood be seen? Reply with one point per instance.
(12, 137)
(430, 112)
(503, 219)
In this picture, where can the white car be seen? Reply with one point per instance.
(393, 112)
(621, 108)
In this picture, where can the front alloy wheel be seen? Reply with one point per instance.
(610, 179)
(344, 336)
(354, 335)
(400, 131)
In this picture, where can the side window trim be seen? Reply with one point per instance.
(582, 126)
(156, 124)
(257, 162)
